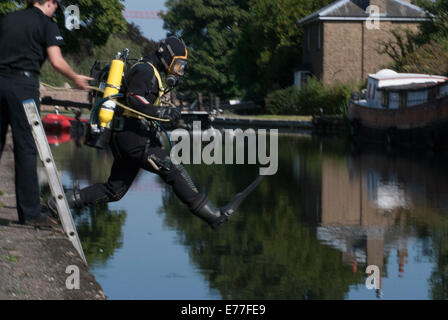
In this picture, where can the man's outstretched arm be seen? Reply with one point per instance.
(58, 62)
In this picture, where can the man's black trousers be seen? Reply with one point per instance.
(131, 149)
(14, 89)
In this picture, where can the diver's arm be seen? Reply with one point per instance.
(142, 88)
(140, 85)
(142, 104)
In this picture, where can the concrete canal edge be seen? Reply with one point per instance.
(36, 264)
(319, 124)
(263, 123)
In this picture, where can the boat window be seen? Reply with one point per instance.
(403, 98)
(433, 93)
(385, 99)
(374, 91)
(368, 90)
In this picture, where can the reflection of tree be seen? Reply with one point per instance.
(439, 277)
(266, 251)
(99, 228)
(83, 163)
(100, 232)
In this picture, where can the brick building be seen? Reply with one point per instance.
(341, 43)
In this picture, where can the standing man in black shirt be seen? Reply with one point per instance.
(27, 38)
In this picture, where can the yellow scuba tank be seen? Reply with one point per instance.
(99, 134)
(113, 86)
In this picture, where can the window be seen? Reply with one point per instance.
(434, 93)
(319, 44)
(385, 99)
(308, 38)
(403, 98)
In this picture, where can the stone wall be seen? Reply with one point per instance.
(342, 57)
(352, 51)
(349, 50)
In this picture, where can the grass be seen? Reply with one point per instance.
(11, 258)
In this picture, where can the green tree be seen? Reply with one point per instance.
(7, 6)
(425, 50)
(437, 27)
(210, 29)
(270, 46)
(82, 62)
(240, 48)
(99, 20)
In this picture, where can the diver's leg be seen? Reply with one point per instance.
(121, 178)
(158, 161)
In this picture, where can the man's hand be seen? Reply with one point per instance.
(81, 82)
(173, 114)
(58, 62)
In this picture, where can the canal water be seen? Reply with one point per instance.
(308, 232)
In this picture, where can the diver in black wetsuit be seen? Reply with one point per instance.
(137, 147)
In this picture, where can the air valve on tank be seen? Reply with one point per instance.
(99, 134)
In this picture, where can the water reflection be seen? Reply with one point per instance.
(307, 232)
(99, 228)
(310, 231)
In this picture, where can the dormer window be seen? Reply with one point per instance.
(308, 39)
(319, 44)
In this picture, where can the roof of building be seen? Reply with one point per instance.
(398, 10)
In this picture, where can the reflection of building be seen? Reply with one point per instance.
(367, 201)
(359, 209)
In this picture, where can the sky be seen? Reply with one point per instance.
(152, 29)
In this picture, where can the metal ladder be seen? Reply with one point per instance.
(53, 178)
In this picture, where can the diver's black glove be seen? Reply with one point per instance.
(173, 114)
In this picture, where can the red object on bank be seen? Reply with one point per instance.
(58, 122)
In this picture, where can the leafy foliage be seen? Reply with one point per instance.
(430, 58)
(311, 99)
(270, 44)
(133, 40)
(425, 51)
(99, 20)
(210, 29)
(8, 6)
(239, 48)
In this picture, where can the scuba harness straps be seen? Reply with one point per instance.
(161, 92)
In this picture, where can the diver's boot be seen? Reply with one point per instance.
(73, 199)
(210, 214)
(215, 217)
